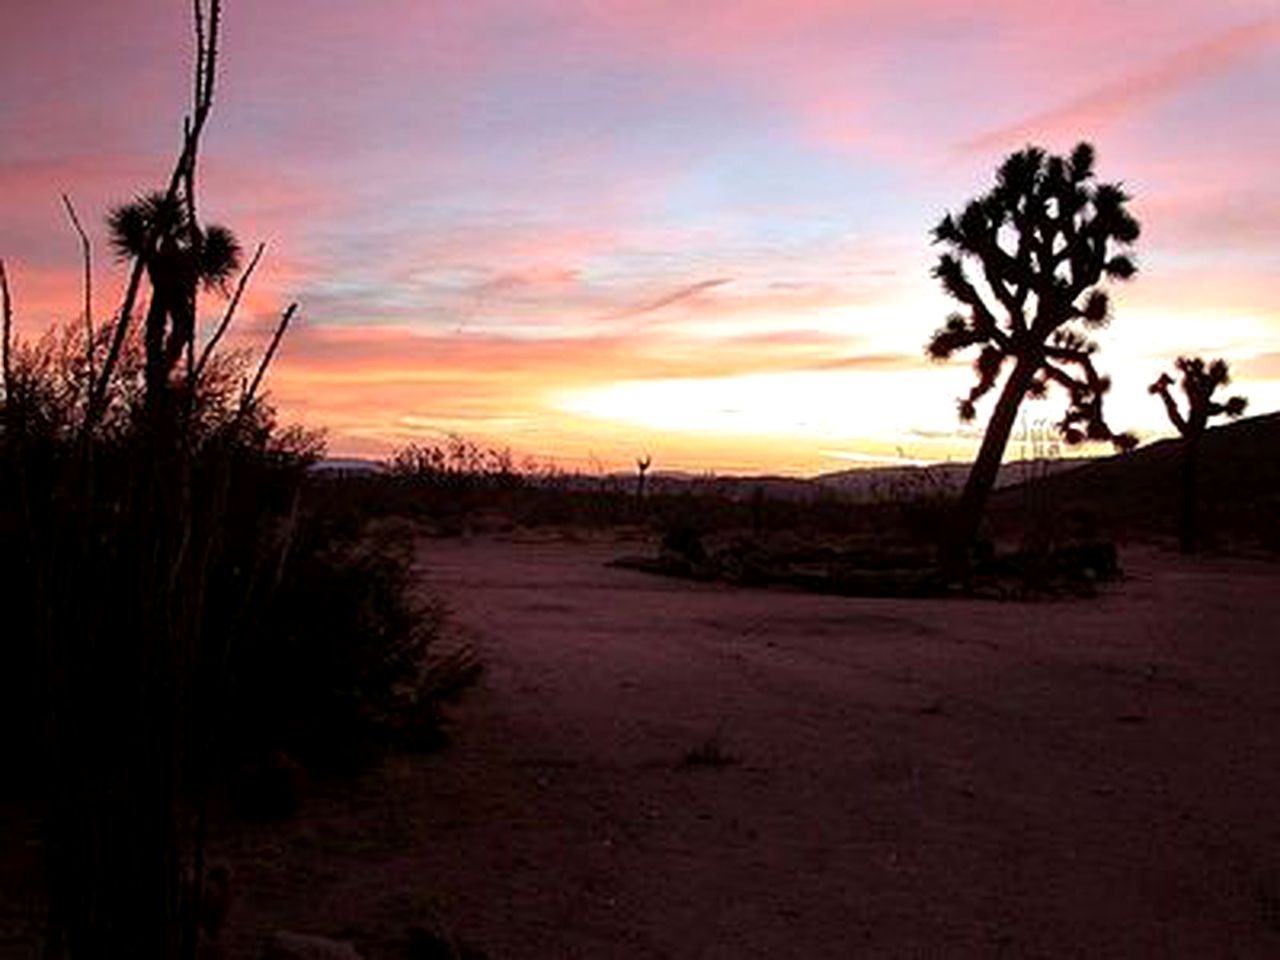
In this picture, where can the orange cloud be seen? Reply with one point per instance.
(572, 196)
(385, 385)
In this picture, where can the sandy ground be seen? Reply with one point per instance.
(1091, 778)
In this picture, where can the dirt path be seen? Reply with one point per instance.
(898, 778)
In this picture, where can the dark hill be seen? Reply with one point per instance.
(1136, 494)
(903, 482)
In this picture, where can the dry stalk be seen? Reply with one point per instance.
(86, 254)
(193, 127)
(6, 344)
(250, 394)
(228, 315)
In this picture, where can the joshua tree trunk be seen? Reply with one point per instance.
(1200, 380)
(982, 476)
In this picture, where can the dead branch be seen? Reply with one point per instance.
(250, 394)
(6, 344)
(86, 253)
(207, 353)
(193, 127)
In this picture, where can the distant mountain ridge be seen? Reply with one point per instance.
(1240, 469)
(870, 482)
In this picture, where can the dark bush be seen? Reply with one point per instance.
(172, 601)
(341, 658)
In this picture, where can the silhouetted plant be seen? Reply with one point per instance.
(120, 542)
(915, 501)
(1040, 525)
(642, 470)
(173, 606)
(1199, 382)
(135, 534)
(160, 231)
(341, 656)
(1043, 238)
(456, 464)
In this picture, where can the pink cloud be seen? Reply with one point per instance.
(681, 295)
(550, 178)
(1085, 115)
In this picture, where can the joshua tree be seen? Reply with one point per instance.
(1041, 242)
(160, 231)
(1199, 383)
(642, 468)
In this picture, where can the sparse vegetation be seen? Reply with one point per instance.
(176, 607)
(642, 470)
(201, 621)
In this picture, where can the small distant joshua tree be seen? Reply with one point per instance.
(1199, 382)
(1042, 240)
(642, 470)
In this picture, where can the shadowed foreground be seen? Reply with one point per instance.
(654, 768)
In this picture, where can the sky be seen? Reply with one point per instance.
(698, 229)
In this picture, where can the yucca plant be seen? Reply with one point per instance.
(160, 231)
(117, 509)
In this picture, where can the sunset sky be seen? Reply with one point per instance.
(697, 228)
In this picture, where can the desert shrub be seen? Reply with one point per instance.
(307, 623)
(118, 526)
(342, 657)
(176, 608)
(914, 506)
(170, 598)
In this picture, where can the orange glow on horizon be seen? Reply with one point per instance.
(700, 230)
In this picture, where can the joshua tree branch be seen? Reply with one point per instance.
(1084, 360)
(1022, 264)
(1007, 298)
(984, 321)
(966, 293)
(1061, 377)
(1161, 389)
(1066, 354)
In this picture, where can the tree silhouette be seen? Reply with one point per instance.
(160, 231)
(642, 469)
(1199, 383)
(1042, 240)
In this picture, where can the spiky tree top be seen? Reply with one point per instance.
(159, 231)
(157, 226)
(1040, 242)
(1199, 383)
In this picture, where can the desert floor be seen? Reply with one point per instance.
(1087, 778)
